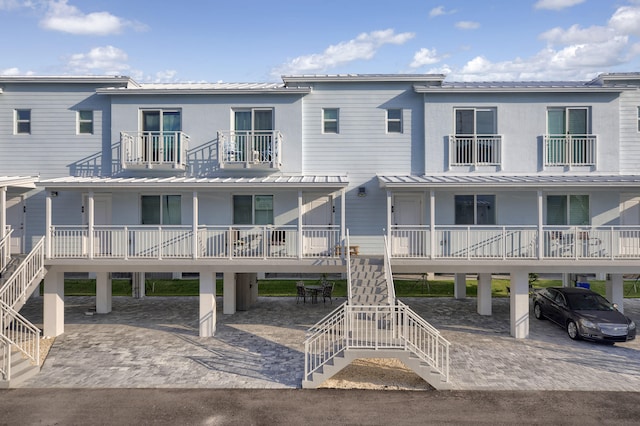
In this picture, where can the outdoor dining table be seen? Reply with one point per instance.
(314, 289)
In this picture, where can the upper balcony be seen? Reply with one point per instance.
(570, 150)
(154, 150)
(475, 150)
(241, 149)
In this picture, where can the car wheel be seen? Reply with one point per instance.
(572, 330)
(537, 311)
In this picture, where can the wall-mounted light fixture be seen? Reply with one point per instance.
(54, 193)
(362, 191)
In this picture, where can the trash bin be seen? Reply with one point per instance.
(583, 285)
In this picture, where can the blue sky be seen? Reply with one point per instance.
(260, 40)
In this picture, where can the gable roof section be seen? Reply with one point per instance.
(507, 181)
(188, 183)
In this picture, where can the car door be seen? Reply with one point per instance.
(553, 310)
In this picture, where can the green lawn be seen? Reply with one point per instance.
(269, 287)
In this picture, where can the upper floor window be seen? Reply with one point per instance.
(252, 135)
(161, 132)
(22, 121)
(330, 120)
(253, 209)
(85, 122)
(568, 210)
(568, 140)
(475, 142)
(475, 209)
(394, 121)
(161, 210)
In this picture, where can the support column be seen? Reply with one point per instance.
(3, 212)
(207, 303)
(103, 293)
(484, 294)
(53, 317)
(253, 287)
(229, 293)
(90, 223)
(566, 280)
(519, 304)
(460, 286)
(615, 290)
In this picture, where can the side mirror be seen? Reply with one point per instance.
(615, 306)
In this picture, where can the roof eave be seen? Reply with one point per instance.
(587, 89)
(186, 91)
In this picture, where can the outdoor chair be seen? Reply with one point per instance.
(327, 291)
(301, 292)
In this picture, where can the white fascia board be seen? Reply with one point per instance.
(586, 89)
(186, 91)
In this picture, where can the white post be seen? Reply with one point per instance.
(195, 242)
(615, 290)
(432, 222)
(300, 239)
(3, 212)
(103, 293)
(229, 293)
(90, 223)
(207, 303)
(53, 317)
(460, 286)
(540, 226)
(390, 211)
(519, 304)
(343, 217)
(484, 294)
(47, 225)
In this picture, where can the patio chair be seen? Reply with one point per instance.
(301, 292)
(327, 291)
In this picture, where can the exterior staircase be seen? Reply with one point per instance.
(373, 324)
(19, 339)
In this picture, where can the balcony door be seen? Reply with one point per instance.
(562, 123)
(253, 133)
(161, 135)
(476, 136)
(318, 237)
(407, 214)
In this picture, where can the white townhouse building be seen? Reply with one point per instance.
(104, 175)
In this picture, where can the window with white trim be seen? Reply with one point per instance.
(253, 209)
(161, 210)
(394, 121)
(22, 122)
(475, 209)
(568, 210)
(85, 122)
(330, 120)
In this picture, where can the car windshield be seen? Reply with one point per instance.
(588, 302)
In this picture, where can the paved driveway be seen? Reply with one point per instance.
(153, 343)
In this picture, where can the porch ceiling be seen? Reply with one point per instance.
(509, 181)
(190, 183)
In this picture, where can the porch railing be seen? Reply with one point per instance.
(248, 148)
(5, 250)
(570, 150)
(177, 241)
(154, 149)
(515, 242)
(475, 150)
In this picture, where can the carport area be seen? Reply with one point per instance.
(154, 343)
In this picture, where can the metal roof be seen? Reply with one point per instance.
(272, 181)
(18, 181)
(508, 181)
(204, 89)
(363, 78)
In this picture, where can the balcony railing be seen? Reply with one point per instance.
(250, 148)
(570, 150)
(515, 242)
(179, 242)
(475, 150)
(146, 150)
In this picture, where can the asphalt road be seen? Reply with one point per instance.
(313, 407)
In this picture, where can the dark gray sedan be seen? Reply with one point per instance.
(584, 314)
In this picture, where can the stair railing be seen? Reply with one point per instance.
(5, 250)
(388, 275)
(32, 267)
(18, 331)
(325, 340)
(5, 358)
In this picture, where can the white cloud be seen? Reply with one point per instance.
(363, 47)
(14, 4)
(100, 60)
(439, 11)
(425, 57)
(575, 34)
(556, 4)
(10, 71)
(63, 17)
(626, 20)
(467, 25)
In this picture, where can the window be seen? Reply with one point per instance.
(253, 209)
(475, 141)
(23, 121)
(161, 210)
(330, 120)
(568, 140)
(568, 210)
(475, 209)
(253, 135)
(394, 121)
(85, 122)
(161, 135)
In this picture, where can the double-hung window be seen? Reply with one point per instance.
(568, 141)
(330, 119)
(85, 122)
(394, 121)
(161, 210)
(568, 210)
(22, 122)
(253, 209)
(475, 209)
(475, 141)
